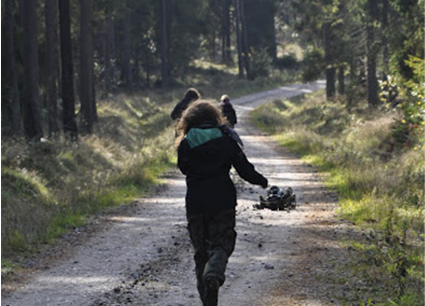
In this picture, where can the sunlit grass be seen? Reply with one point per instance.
(218, 79)
(7, 267)
(380, 185)
(52, 187)
(48, 188)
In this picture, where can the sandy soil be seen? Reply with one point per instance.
(141, 254)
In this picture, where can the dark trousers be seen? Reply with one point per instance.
(213, 237)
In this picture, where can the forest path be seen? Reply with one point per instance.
(143, 256)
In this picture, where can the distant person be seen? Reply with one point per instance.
(190, 95)
(206, 152)
(228, 110)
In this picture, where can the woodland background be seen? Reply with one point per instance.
(87, 87)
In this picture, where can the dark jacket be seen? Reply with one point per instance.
(205, 156)
(180, 108)
(229, 112)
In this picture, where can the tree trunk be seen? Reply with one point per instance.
(223, 47)
(353, 69)
(148, 73)
(93, 107)
(147, 67)
(113, 51)
(239, 38)
(227, 33)
(127, 47)
(107, 53)
(385, 55)
(341, 81)
(14, 91)
(85, 66)
(213, 43)
(260, 21)
(245, 45)
(330, 83)
(164, 60)
(68, 109)
(136, 69)
(32, 117)
(51, 65)
(372, 81)
(329, 61)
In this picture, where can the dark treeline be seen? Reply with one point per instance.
(57, 54)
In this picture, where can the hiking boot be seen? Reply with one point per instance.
(211, 295)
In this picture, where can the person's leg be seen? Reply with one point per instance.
(221, 240)
(201, 258)
(220, 244)
(196, 227)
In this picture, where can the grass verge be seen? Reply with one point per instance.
(52, 187)
(380, 185)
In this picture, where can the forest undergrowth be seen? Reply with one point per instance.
(379, 182)
(54, 186)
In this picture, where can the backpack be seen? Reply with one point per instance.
(278, 199)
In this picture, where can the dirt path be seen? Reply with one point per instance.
(143, 256)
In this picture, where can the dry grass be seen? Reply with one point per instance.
(380, 184)
(51, 187)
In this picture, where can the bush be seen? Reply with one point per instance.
(380, 188)
(261, 63)
(407, 96)
(313, 65)
(287, 62)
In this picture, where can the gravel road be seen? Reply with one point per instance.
(142, 255)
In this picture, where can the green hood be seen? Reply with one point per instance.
(197, 137)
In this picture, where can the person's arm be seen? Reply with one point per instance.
(178, 109)
(234, 116)
(182, 156)
(177, 112)
(245, 169)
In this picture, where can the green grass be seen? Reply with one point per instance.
(6, 267)
(52, 187)
(380, 185)
(213, 80)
